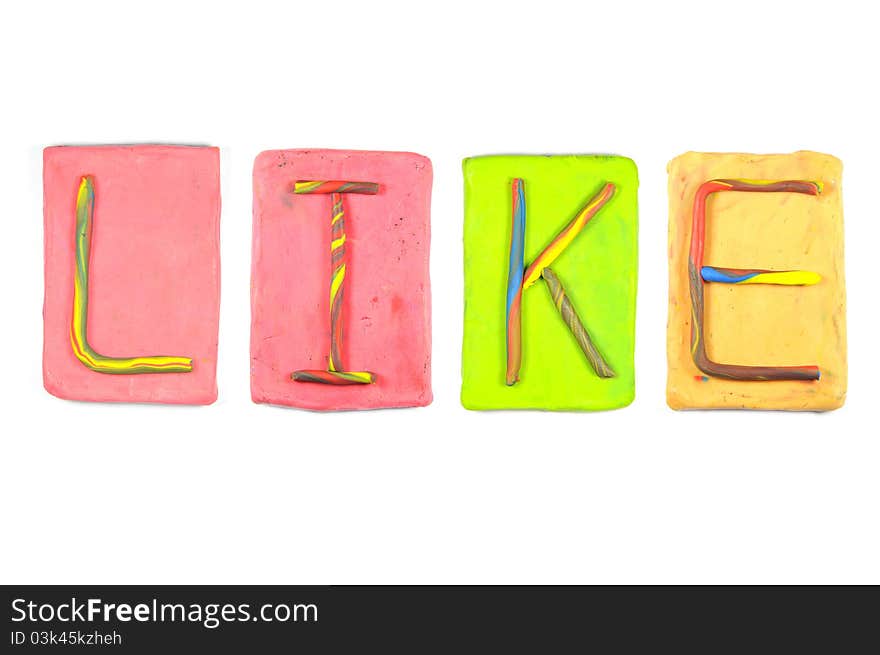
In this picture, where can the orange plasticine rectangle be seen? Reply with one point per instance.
(759, 324)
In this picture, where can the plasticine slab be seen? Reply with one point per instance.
(153, 269)
(759, 324)
(598, 270)
(386, 307)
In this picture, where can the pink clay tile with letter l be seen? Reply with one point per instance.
(370, 243)
(153, 273)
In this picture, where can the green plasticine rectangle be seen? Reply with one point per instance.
(599, 271)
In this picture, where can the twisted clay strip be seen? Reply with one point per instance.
(335, 374)
(696, 273)
(85, 207)
(514, 283)
(517, 281)
(575, 325)
(567, 235)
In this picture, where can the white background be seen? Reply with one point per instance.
(237, 492)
